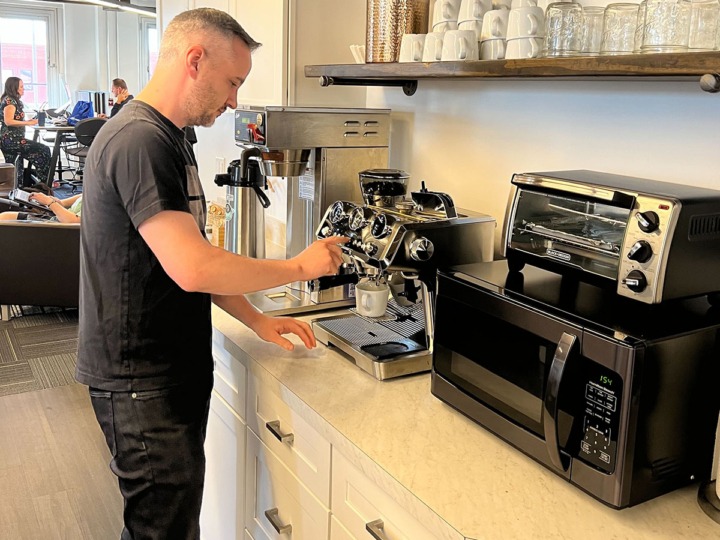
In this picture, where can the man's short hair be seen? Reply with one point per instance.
(190, 22)
(119, 83)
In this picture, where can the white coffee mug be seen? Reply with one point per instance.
(526, 22)
(501, 4)
(492, 49)
(445, 10)
(475, 26)
(371, 298)
(459, 45)
(411, 47)
(515, 4)
(523, 48)
(494, 24)
(432, 52)
(473, 10)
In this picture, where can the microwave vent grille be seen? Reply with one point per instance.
(705, 227)
(666, 468)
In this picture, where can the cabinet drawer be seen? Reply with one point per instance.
(300, 447)
(274, 494)
(230, 377)
(357, 501)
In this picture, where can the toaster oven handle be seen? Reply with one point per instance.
(550, 409)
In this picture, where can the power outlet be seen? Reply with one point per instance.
(220, 165)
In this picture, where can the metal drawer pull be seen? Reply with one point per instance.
(376, 529)
(272, 516)
(274, 428)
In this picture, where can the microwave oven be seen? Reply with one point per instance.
(618, 397)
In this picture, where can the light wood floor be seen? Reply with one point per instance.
(54, 477)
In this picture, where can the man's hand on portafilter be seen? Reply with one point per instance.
(321, 258)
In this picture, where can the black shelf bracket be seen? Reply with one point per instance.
(710, 82)
(409, 87)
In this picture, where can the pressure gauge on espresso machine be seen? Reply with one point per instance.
(379, 227)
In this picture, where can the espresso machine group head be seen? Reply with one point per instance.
(402, 242)
(306, 157)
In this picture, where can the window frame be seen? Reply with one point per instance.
(146, 23)
(54, 18)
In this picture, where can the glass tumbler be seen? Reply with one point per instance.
(667, 26)
(704, 25)
(640, 28)
(592, 28)
(619, 26)
(563, 29)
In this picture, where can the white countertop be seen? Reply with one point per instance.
(474, 481)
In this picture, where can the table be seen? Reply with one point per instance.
(61, 131)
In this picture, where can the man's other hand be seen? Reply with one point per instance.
(271, 329)
(321, 258)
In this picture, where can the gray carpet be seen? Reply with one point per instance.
(37, 349)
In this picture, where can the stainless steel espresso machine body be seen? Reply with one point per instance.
(404, 244)
(309, 157)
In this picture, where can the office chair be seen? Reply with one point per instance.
(85, 132)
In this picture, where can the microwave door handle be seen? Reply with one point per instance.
(550, 408)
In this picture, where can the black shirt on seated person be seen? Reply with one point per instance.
(116, 108)
(138, 329)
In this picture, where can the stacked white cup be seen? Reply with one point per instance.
(492, 37)
(471, 14)
(525, 30)
(445, 15)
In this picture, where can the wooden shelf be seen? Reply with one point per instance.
(671, 66)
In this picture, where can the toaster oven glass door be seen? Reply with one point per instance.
(584, 233)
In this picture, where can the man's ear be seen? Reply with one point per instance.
(193, 57)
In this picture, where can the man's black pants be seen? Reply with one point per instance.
(156, 440)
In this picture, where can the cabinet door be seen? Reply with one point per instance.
(268, 80)
(300, 447)
(221, 517)
(357, 502)
(338, 532)
(278, 506)
(230, 376)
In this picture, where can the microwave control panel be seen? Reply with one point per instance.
(601, 418)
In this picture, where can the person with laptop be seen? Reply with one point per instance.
(12, 130)
(63, 210)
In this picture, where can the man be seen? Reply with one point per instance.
(122, 95)
(148, 275)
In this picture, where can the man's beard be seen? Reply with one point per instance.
(196, 108)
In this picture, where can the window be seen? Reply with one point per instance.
(29, 50)
(149, 44)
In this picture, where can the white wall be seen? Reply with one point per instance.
(467, 137)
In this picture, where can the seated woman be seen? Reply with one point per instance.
(12, 129)
(65, 210)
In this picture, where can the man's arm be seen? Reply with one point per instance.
(197, 266)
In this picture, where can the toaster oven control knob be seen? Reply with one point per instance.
(635, 281)
(647, 221)
(641, 251)
(421, 249)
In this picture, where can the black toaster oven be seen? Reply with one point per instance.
(651, 241)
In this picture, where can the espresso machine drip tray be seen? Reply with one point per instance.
(384, 348)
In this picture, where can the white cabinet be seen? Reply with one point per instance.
(278, 505)
(300, 447)
(221, 517)
(358, 504)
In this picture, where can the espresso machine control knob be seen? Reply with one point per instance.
(635, 281)
(641, 251)
(370, 249)
(379, 226)
(648, 221)
(326, 231)
(421, 249)
(337, 213)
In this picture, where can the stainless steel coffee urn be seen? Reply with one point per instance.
(308, 157)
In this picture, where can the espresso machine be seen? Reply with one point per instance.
(401, 241)
(294, 162)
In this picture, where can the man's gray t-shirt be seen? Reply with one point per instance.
(138, 329)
